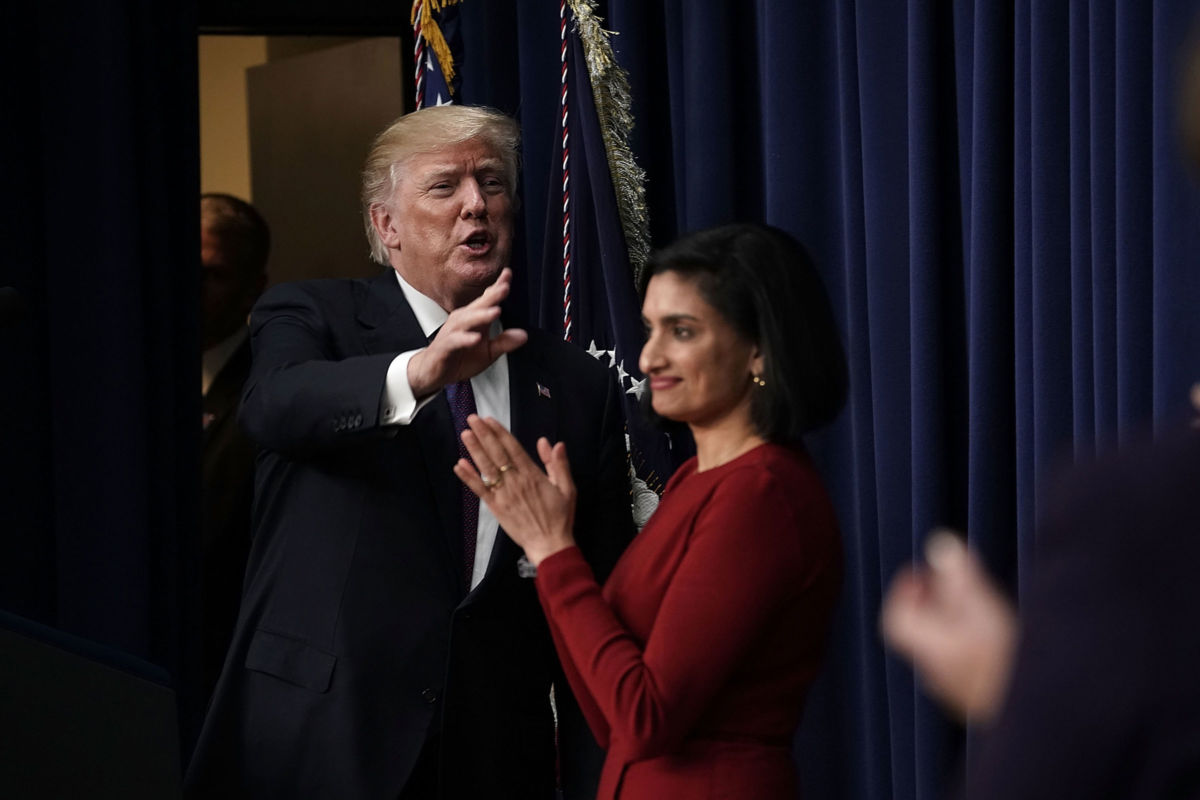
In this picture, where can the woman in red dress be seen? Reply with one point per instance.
(692, 662)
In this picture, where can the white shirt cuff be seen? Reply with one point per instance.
(398, 406)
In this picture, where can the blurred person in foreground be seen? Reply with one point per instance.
(1092, 690)
(234, 243)
(387, 646)
(693, 661)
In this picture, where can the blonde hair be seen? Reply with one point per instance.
(429, 130)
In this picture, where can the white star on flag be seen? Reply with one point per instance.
(621, 373)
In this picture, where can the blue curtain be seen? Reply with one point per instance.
(99, 408)
(993, 190)
(997, 198)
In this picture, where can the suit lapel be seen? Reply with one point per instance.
(221, 402)
(384, 317)
(532, 399)
(388, 324)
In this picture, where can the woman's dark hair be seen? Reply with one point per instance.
(763, 283)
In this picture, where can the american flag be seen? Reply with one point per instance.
(436, 48)
(588, 293)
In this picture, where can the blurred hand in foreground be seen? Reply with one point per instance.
(955, 626)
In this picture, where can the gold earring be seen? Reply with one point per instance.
(759, 382)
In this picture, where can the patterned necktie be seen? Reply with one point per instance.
(462, 405)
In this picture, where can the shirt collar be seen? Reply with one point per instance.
(429, 314)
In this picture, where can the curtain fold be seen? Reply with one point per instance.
(994, 192)
(101, 430)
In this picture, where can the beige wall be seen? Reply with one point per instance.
(285, 123)
(313, 116)
(224, 132)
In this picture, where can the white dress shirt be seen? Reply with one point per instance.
(400, 407)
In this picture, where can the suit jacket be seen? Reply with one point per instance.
(1104, 700)
(357, 637)
(228, 494)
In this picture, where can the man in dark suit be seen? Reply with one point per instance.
(387, 644)
(234, 242)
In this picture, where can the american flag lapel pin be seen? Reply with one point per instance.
(543, 391)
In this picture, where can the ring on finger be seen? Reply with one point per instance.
(487, 482)
(504, 468)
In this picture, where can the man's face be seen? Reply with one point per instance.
(448, 227)
(226, 292)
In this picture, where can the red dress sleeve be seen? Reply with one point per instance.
(746, 556)
(570, 569)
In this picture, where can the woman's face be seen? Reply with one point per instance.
(697, 365)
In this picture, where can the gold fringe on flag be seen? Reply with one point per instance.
(433, 34)
(610, 92)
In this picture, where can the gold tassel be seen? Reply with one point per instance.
(610, 91)
(433, 35)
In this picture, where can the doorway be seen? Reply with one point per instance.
(285, 123)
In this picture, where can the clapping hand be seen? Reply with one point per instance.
(535, 508)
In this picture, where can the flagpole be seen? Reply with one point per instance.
(566, 171)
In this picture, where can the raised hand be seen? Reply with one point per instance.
(462, 348)
(956, 627)
(535, 508)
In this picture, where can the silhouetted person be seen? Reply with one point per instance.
(234, 242)
(1092, 692)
